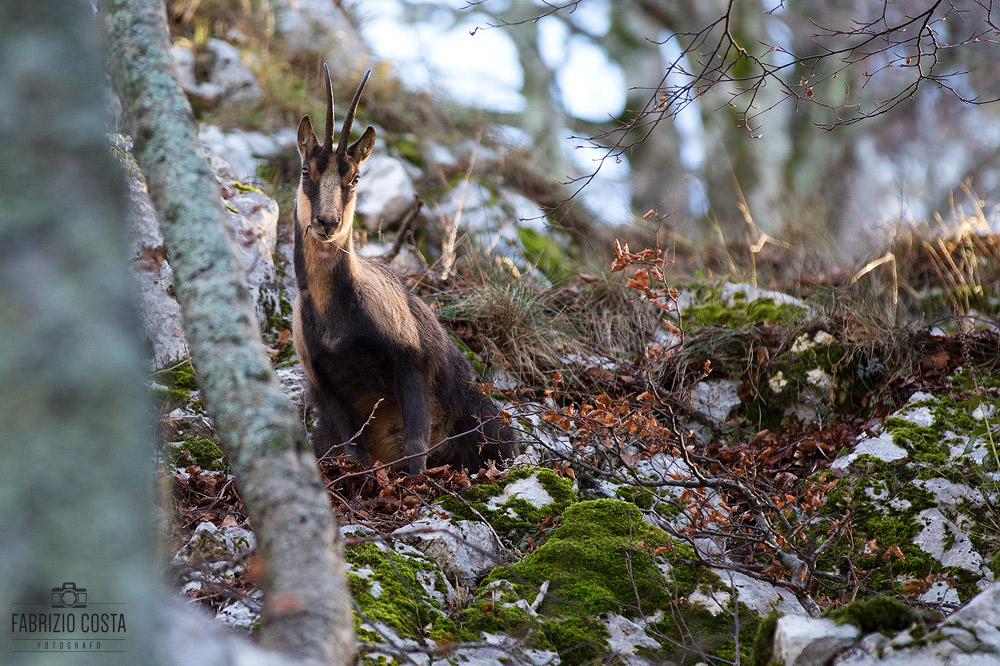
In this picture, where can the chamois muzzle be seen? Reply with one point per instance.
(323, 228)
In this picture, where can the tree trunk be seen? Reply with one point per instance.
(76, 473)
(307, 605)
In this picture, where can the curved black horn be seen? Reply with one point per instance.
(345, 133)
(328, 141)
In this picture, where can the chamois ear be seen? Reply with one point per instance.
(307, 138)
(362, 148)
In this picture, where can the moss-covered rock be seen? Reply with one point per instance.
(603, 560)
(882, 614)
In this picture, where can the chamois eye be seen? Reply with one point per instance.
(305, 172)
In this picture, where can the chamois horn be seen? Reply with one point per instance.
(328, 141)
(345, 133)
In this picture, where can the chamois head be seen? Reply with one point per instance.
(325, 203)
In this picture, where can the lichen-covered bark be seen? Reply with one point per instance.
(307, 607)
(75, 428)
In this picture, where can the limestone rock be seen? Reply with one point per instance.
(385, 193)
(227, 81)
(804, 641)
(464, 550)
(159, 312)
(715, 399)
(253, 220)
(242, 151)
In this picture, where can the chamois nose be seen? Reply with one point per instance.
(326, 224)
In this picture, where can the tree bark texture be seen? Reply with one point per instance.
(307, 605)
(76, 453)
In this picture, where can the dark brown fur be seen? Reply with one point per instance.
(383, 375)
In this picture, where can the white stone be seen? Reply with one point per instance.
(825, 339)
(626, 636)
(761, 596)
(880, 447)
(385, 193)
(752, 293)
(528, 489)
(228, 79)
(921, 416)
(801, 344)
(984, 411)
(934, 537)
(209, 542)
(940, 593)
(950, 494)
(714, 603)
(244, 151)
(804, 641)
(714, 399)
(159, 312)
(463, 550)
(238, 615)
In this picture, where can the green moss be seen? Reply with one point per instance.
(602, 558)
(203, 453)
(399, 601)
(639, 496)
(409, 151)
(473, 358)
(762, 652)
(742, 314)
(546, 253)
(887, 615)
(995, 566)
(180, 382)
(515, 519)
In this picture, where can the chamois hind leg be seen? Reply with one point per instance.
(411, 394)
(336, 427)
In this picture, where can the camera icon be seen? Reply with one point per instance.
(69, 596)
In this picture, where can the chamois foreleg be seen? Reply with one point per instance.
(411, 394)
(338, 426)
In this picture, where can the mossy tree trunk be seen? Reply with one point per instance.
(307, 606)
(76, 473)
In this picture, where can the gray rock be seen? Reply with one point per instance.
(714, 399)
(528, 489)
(761, 596)
(881, 447)
(228, 80)
(159, 312)
(947, 542)
(804, 641)
(385, 193)
(242, 151)
(463, 550)
(253, 220)
(970, 637)
(625, 639)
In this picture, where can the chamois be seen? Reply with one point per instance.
(384, 378)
